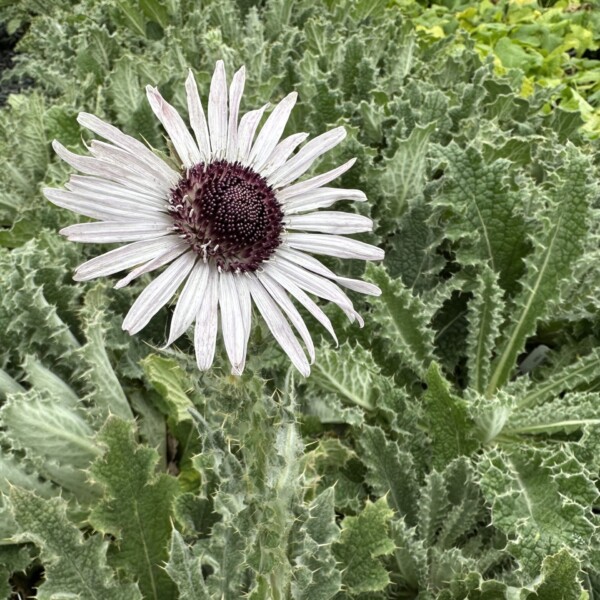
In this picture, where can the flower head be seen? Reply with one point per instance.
(230, 224)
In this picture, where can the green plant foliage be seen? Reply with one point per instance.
(554, 44)
(136, 507)
(364, 539)
(185, 570)
(75, 566)
(449, 449)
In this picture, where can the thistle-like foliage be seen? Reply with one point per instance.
(449, 450)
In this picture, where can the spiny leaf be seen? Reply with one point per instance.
(390, 471)
(411, 252)
(403, 177)
(74, 566)
(107, 393)
(315, 575)
(349, 373)
(60, 442)
(8, 385)
(404, 319)
(364, 540)
(485, 319)
(484, 211)
(20, 472)
(560, 578)
(447, 420)
(585, 370)
(44, 380)
(559, 246)
(12, 559)
(542, 500)
(569, 412)
(136, 508)
(186, 570)
(171, 382)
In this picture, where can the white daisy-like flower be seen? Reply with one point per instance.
(231, 225)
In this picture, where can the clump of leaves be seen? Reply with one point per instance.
(553, 44)
(448, 450)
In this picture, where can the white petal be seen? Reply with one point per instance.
(278, 294)
(158, 293)
(205, 335)
(101, 168)
(118, 156)
(302, 161)
(312, 264)
(123, 258)
(150, 200)
(217, 111)
(305, 261)
(363, 287)
(302, 297)
(278, 326)
(184, 144)
(189, 301)
(235, 308)
(314, 182)
(248, 124)
(101, 207)
(330, 222)
(282, 152)
(271, 131)
(176, 248)
(108, 232)
(319, 198)
(334, 245)
(197, 118)
(114, 135)
(314, 284)
(235, 95)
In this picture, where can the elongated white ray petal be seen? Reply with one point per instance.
(278, 325)
(235, 95)
(217, 111)
(158, 293)
(312, 264)
(117, 137)
(320, 198)
(248, 124)
(184, 144)
(197, 118)
(282, 152)
(108, 232)
(111, 153)
(315, 284)
(302, 187)
(235, 308)
(278, 294)
(205, 334)
(330, 222)
(334, 245)
(177, 248)
(302, 297)
(101, 187)
(123, 258)
(271, 131)
(189, 301)
(102, 207)
(101, 168)
(363, 287)
(301, 162)
(305, 261)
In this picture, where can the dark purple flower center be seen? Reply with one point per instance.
(228, 214)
